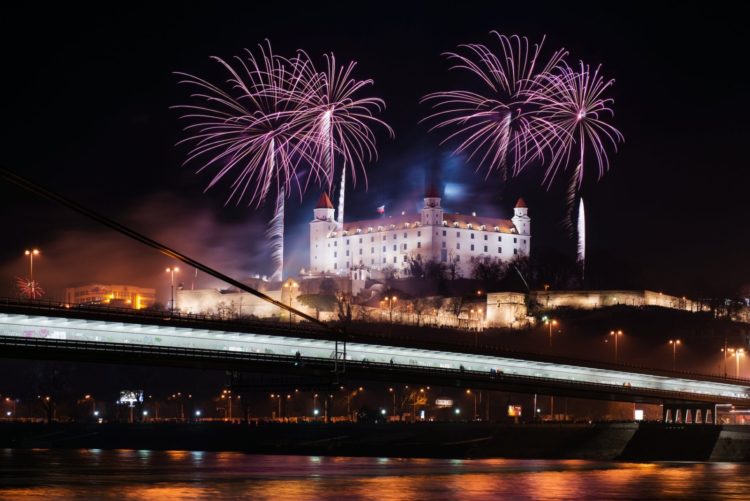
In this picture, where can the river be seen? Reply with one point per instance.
(151, 475)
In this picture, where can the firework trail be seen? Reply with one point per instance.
(576, 110)
(255, 129)
(582, 238)
(28, 288)
(341, 119)
(501, 126)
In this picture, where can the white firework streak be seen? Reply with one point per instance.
(582, 237)
(275, 234)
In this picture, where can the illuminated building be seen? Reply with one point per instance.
(126, 296)
(358, 248)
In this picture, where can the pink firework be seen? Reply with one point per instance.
(340, 118)
(576, 111)
(502, 125)
(29, 289)
(250, 128)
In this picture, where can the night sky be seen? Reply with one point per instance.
(86, 93)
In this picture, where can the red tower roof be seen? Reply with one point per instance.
(521, 204)
(324, 202)
(432, 192)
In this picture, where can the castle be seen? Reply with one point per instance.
(365, 248)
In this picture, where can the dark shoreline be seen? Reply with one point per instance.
(599, 441)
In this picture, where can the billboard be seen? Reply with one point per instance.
(514, 410)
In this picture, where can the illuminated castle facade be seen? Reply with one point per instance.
(359, 248)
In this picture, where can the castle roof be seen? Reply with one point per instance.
(324, 202)
(432, 192)
(521, 204)
(460, 221)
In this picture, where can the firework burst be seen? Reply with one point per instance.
(576, 109)
(501, 126)
(341, 119)
(28, 288)
(254, 130)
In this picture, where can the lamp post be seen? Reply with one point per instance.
(393, 393)
(615, 334)
(12, 401)
(172, 271)
(551, 322)
(736, 353)
(674, 343)
(290, 285)
(391, 303)
(31, 253)
(93, 402)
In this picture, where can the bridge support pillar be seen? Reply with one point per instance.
(687, 413)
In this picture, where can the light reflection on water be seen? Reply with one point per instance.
(152, 475)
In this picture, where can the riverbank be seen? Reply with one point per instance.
(600, 441)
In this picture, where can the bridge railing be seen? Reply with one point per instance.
(364, 369)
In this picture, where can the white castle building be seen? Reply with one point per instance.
(359, 248)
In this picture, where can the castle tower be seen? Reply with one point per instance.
(321, 226)
(432, 213)
(521, 219)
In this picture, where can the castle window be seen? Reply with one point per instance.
(347, 264)
(485, 248)
(394, 247)
(359, 230)
(455, 224)
(404, 257)
(335, 265)
(515, 240)
(515, 251)
(384, 248)
(485, 237)
(372, 239)
(372, 261)
(360, 252)
(335, 254)
(394, 259)
(372, 250)
(472, 236)
(458, 245)
(395, 236)
(497, 228)
(483, 227)
(499, 239)
(470, 226)
(444, 232)
(458, 258)
(445, 223)
(419, 245)
(404, 246)
(419, 233)
(499, 250)
(383, 238)
(472, 247)
(443, 245)
(335, 243)
(458, 234)
(404, 234)
(347, 241)
(360, 240)
(523, 241)
(347, 252)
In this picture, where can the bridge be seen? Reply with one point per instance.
(49, 331)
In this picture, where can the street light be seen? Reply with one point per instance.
(172, 271)
(290, 285)
(674, 343)
(615, 334)
(31, 253)
(391, 303)
(551, 322)
(736, 353)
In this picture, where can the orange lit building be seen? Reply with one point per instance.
(126, 296)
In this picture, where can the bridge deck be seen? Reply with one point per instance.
(75, 337)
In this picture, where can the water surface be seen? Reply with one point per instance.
(152, 475)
